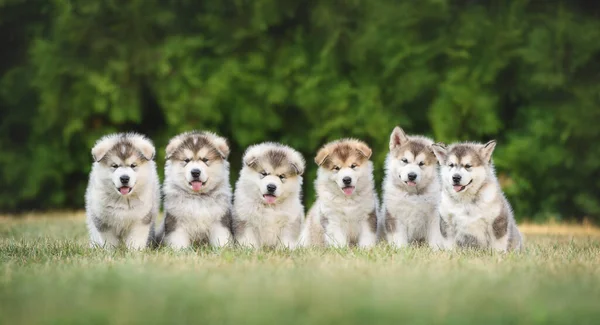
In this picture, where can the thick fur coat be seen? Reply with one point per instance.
(123, 193)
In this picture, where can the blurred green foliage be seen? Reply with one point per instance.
(526, 73)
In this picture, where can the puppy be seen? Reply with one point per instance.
(345, 210)
(473, 210)
(123, 193)
(267, 206)
(411, 191)
(197, 193)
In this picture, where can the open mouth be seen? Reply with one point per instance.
(124, 190)
(197, 185)
(269, 198)
(348, 190)
(411, 183)
(460, 188)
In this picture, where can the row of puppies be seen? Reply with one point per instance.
(459, 204)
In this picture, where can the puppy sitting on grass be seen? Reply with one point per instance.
(411, 192)
(196, 191)
(267, 207)
(345, 210)
(473, 210)
(123, 193)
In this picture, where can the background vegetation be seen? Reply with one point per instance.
(303, 72)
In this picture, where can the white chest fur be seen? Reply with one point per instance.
(473, 217)
(414, 212)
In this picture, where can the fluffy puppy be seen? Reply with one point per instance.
(411, 191)
(473, 210)
(123, 193)
(197, 194)
(345, 210)
(267, 206)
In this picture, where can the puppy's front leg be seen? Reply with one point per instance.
(290, 236)
(178, 238)
(335, 235)
(244, 234)
(220, 235)
(108, 240)
(138, 236)
(396, 233)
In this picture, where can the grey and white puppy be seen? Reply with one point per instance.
(473, 210)
(123, 193)
(411, 191)
(267, 206)
(197, 194)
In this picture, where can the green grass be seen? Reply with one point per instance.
(49, 276)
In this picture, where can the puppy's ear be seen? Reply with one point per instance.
(439, 150)
(173, 145)
(398, 138)
(102, 146)
(322, 156)
(487, 149)
(364, 150)
(222, 146)
(145, 146)
(298, 163)
(251, 155)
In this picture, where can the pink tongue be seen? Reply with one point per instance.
(457, 188)
(269, 198)
(196, 186)
(124, 190)
(411, 183)
(348, 190)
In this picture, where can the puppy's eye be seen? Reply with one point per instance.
(336, 168)
(422, 163)
(404, 160)
(451, 165)
(353, 166)
(115, 166)
(468, 166)
(204, 160)
(281, 177)
(263, 173)
(133, 165)
(187, 160)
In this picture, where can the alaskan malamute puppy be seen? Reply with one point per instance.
(197, 194)
(123, 193)
(473, 210)
(267, 206)
(411, 191)
(345, 212)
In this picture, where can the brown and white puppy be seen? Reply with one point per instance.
(345, 212)
(411, 191)
(123, 194)
(473, 210)
(197, 194)
(267, 206)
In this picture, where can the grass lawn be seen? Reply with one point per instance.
(49, 276)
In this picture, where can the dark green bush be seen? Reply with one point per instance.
(304, 72)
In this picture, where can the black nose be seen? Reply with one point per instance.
(124, 179)
(412, 176)
(347, 180)
(195, 173)
(456, 178)
(271, 188)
